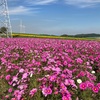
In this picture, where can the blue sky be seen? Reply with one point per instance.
(55, 16)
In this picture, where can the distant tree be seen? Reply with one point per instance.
(64, 35)
(3, 30)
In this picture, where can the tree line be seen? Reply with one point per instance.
(82, 35)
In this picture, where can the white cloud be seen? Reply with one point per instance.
(20, 10)
(16, 7)
(83, 3)
(41, 2)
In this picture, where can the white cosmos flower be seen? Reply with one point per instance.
(79, 81)
(93, 72)
(47, 75)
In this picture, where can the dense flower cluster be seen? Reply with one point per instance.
(49, 68)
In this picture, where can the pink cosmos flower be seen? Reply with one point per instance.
(69, 65)
(1, 76)
(21, 87)
(90, 85)
(33, 61)
(77, 98)
(70, 82)
(3, 60)
(66, 98)
(25, 75)
(95, 89)
(65, 63)
(13, 99)
(14, 84)
(38, 63)
(88, 63)
(63, 86)
(56, 92)
(21, 70)
(56, 69)
(46, 91)
(83, 86)
(81, 74)
(79, 60)
(18, 94)
(33, 91)
(65, 91)
(52, 78)
(7, 70)
(63, 76)
(7, 96)
(90, 76)
(67, 82)
(15, 79)
(98, 85)
(10, 90)
(8, 77)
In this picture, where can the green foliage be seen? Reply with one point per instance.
(3, 30)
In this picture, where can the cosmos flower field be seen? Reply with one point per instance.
(49, 69)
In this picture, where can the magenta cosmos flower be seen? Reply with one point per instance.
(83, 86)
(46, 91)
(95, 89)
